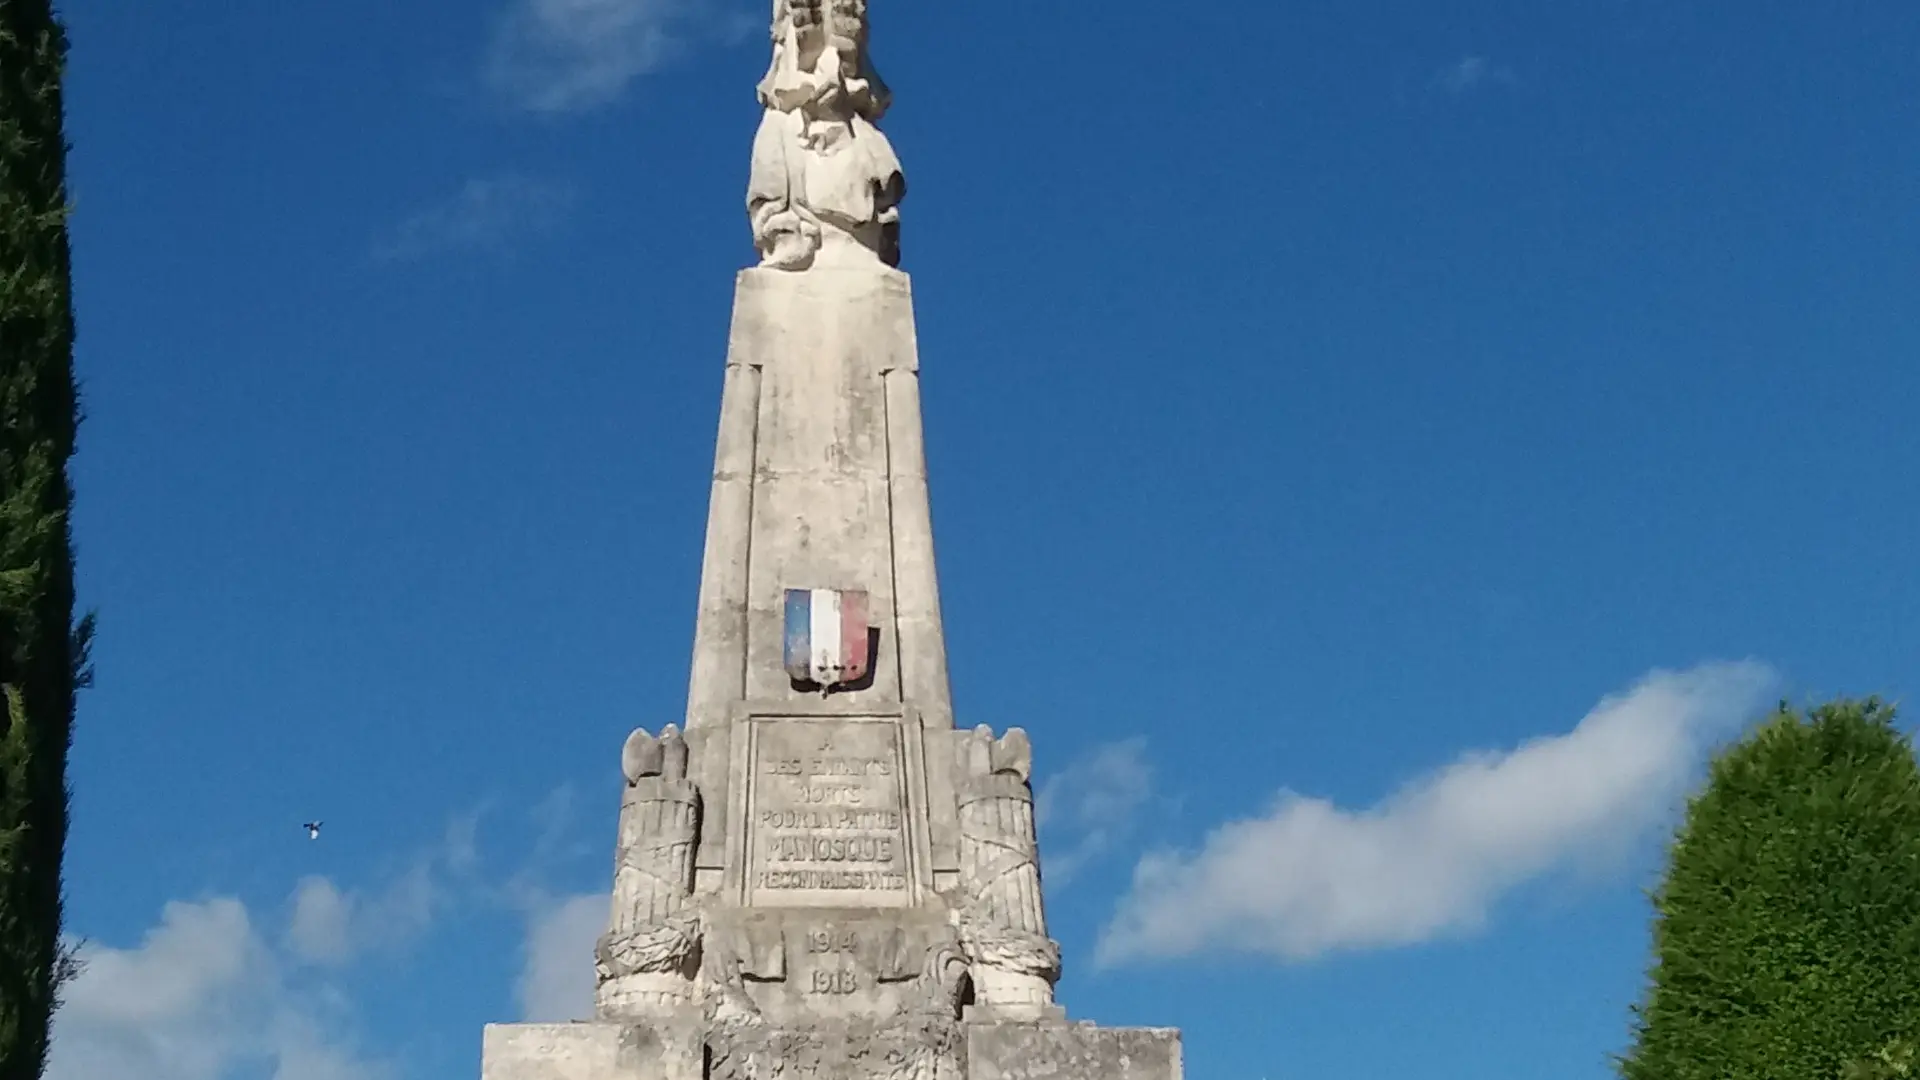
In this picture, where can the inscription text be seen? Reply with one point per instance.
(827, 822)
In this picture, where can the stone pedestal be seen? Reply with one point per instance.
(824, 883)
(594, 1051)
(830, 1051)
(1071, 1052)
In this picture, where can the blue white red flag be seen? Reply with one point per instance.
(827, 636)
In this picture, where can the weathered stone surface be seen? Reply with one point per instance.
(819, 482)
(822, 499)
(828, 817)
(917, 1037)
(904, 1048)
(796, 966)
(671, 1049)
(1071, 1052)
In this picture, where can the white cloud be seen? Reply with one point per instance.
(320, 929)
(485, 214)
(556, 983)
(331, 926)
(208, 991)
(1092, 805)
(202, 995)
(1473, 71)
(565, 55)
(1309, 878)
(460, 847)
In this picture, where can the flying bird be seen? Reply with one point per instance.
(313, 829)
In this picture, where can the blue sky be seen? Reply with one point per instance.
(1377, 448)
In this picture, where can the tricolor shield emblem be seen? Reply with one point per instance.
(827, 636)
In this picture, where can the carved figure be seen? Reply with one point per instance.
(825, 185)
(648, 957)
(1001, 916)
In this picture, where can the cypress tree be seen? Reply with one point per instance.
(1787, 929)
(42, 651)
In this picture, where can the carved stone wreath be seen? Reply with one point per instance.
(1009, 950)
(654, 949)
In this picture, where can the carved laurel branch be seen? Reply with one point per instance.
(657, 948)
(1010, 950)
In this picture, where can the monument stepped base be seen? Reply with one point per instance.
(592, 1051)
(1077, 1051)
(678, 1051)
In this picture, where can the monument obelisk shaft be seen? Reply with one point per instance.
(820, 466)
(819, 474)
(819, 482)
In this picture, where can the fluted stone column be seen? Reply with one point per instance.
(645, 962)
(1003, 917)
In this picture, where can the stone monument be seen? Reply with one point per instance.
(819, 877)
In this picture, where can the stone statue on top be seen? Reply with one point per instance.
(825, 186)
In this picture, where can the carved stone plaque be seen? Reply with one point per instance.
(826, 822)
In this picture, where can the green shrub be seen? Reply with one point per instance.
(1787, 930)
